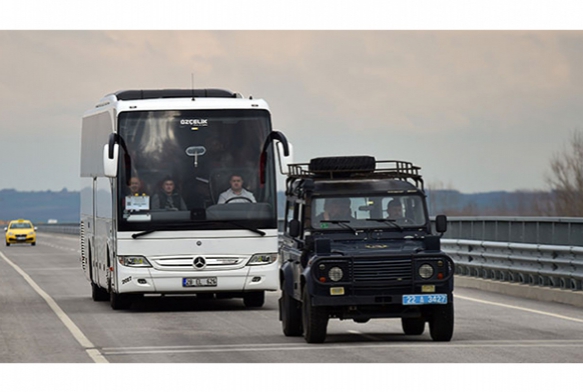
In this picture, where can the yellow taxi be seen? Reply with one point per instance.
(20, 231)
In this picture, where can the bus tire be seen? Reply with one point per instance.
(119, 301)
(98, 293)
(254, 299)
(441, 323)
(291, 315)
(413, 326)
(314, 320)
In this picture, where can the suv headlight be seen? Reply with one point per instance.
(335, 274)
(134, 261)
(425, 271)
(262, 259)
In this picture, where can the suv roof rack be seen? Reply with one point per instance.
(356, 167)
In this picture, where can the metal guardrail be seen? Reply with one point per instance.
(529, 230)
(535, 251)
(67, 228)
(536, 265)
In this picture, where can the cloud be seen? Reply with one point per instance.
(418, 95)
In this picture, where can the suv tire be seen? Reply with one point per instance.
(441, 323)
(291, 315)
(314, 320)
(353, 163)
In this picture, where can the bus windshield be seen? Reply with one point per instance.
(194, 169)
(393, 211)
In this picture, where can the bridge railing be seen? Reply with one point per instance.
(538, 251)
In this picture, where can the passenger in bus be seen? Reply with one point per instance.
(236, 192)
(168, 198)
(136, 187)
(336, 209)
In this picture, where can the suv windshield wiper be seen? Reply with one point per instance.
(388, 221)
(342, 223)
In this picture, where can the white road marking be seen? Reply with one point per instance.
(520, 308)
(90, 349)
(333, 346)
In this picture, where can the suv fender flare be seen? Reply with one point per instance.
(287, 278)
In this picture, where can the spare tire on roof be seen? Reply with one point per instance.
(348, 164)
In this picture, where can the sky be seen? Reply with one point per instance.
(478, 110)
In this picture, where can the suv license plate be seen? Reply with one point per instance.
(424, 299)
(199, 282)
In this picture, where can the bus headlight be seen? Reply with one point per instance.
(426, 271)
(335, 274)
(262, 259)
(134, 261)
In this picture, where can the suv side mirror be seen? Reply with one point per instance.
(294, 228)
(441, 223)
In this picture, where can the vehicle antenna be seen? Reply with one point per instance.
(192, 83)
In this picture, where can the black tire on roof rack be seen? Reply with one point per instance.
(359, 163)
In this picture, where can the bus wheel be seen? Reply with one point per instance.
(98, 293)
(314, 320)
(441, 323)
(291, 315)
(413, 326)
(119, 301)
(254, 299)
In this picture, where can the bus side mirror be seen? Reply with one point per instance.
(294, 228)
(110, 161)
(284, 160)
(441, 223)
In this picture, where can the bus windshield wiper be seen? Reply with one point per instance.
(342, 223)
(253, 229)
(388, 221)
(141, 233)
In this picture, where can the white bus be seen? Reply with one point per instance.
(153, 165)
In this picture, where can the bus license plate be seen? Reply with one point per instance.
(199, 282)
(424, 299)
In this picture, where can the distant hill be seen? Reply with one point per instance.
(40, 206)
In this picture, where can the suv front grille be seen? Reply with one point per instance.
(385, 272)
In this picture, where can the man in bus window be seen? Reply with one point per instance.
(236, 192)
(168, 198)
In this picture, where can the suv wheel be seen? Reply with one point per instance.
(413, 326)
(255, 299)
(314, 320)
(441, 323)
(291, 315)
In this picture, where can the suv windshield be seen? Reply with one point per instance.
(397, 211)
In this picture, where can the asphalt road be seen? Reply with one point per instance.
(47, 316)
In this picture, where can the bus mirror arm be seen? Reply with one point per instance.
(273, 135)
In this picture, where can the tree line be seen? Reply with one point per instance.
(563, 196)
